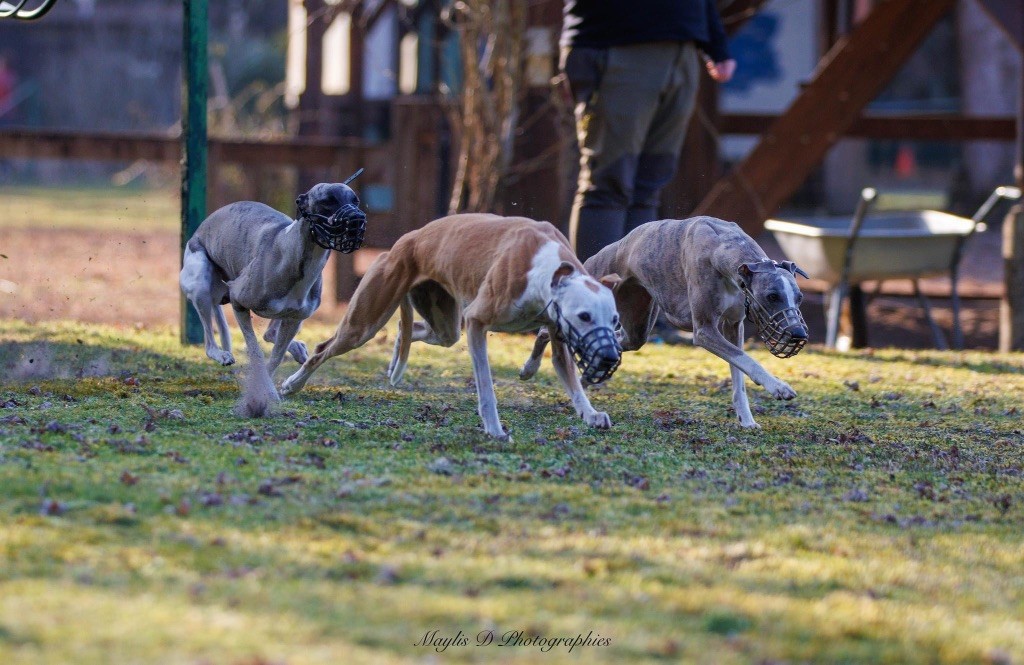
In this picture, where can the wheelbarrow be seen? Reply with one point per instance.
(910, 245)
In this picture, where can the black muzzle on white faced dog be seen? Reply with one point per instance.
(342, 231)
(785, 331)
(597, 353)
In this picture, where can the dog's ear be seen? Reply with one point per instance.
(746, 271)
(794, 269)
(302, 203)
(611, 281)
(563, 271)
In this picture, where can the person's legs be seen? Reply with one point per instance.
(657, 161)
(660, 155)
(617, 95)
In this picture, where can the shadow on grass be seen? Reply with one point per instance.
(53, 361)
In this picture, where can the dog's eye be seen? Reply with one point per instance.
(773, 297)
(615, 320)
(585, 317)
(799, 298)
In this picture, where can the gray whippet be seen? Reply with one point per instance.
(262, 262)
(707, 276)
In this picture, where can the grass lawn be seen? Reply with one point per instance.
(88, 208)
(877, 518)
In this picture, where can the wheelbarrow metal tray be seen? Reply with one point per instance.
(890, 245)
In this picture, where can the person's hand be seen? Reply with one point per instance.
(721, 71)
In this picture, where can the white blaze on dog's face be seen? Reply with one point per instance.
(584, 302)
(776, 290)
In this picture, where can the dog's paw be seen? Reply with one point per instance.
(500, 433)
(780, 390)
(223, 357)
(598, 419)
(298, 351)
(751, 424)
(529, 369)
(395, 372)
(288, 387)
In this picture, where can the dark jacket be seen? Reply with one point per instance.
(604, 23)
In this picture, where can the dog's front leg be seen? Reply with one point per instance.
(476, 335)
(739, 391)
(259, 386)
(708, 336)
(561, 358)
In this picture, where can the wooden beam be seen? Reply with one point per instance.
(1011, 308)
(849, 77)
(127, 147)
(911, 127)
(828, 25)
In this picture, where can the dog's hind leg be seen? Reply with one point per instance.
(561, 358)
(442, 324)
(196, 280)
(532, 363)
(405, 338)
(222, 326)
(284, 341)
(296, 348)
(734, 333)
(378, 296)
(487, 401)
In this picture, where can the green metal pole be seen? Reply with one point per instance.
(193, 136)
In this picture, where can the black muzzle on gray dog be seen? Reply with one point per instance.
(343, 231)
(785, 331)
(596, 353)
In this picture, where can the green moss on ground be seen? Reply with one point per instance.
(877, 518)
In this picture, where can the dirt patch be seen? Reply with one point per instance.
(131, 278)
(101, 277)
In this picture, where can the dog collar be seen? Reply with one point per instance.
(775, 330)
(590, 351)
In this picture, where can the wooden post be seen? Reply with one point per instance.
(193, 133)
(345, 279)
(1011, 308)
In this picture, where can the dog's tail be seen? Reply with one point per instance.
(400, 357)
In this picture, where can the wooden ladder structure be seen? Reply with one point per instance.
(850, 76)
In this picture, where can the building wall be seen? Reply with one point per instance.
(108, 66)
(990, 76)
